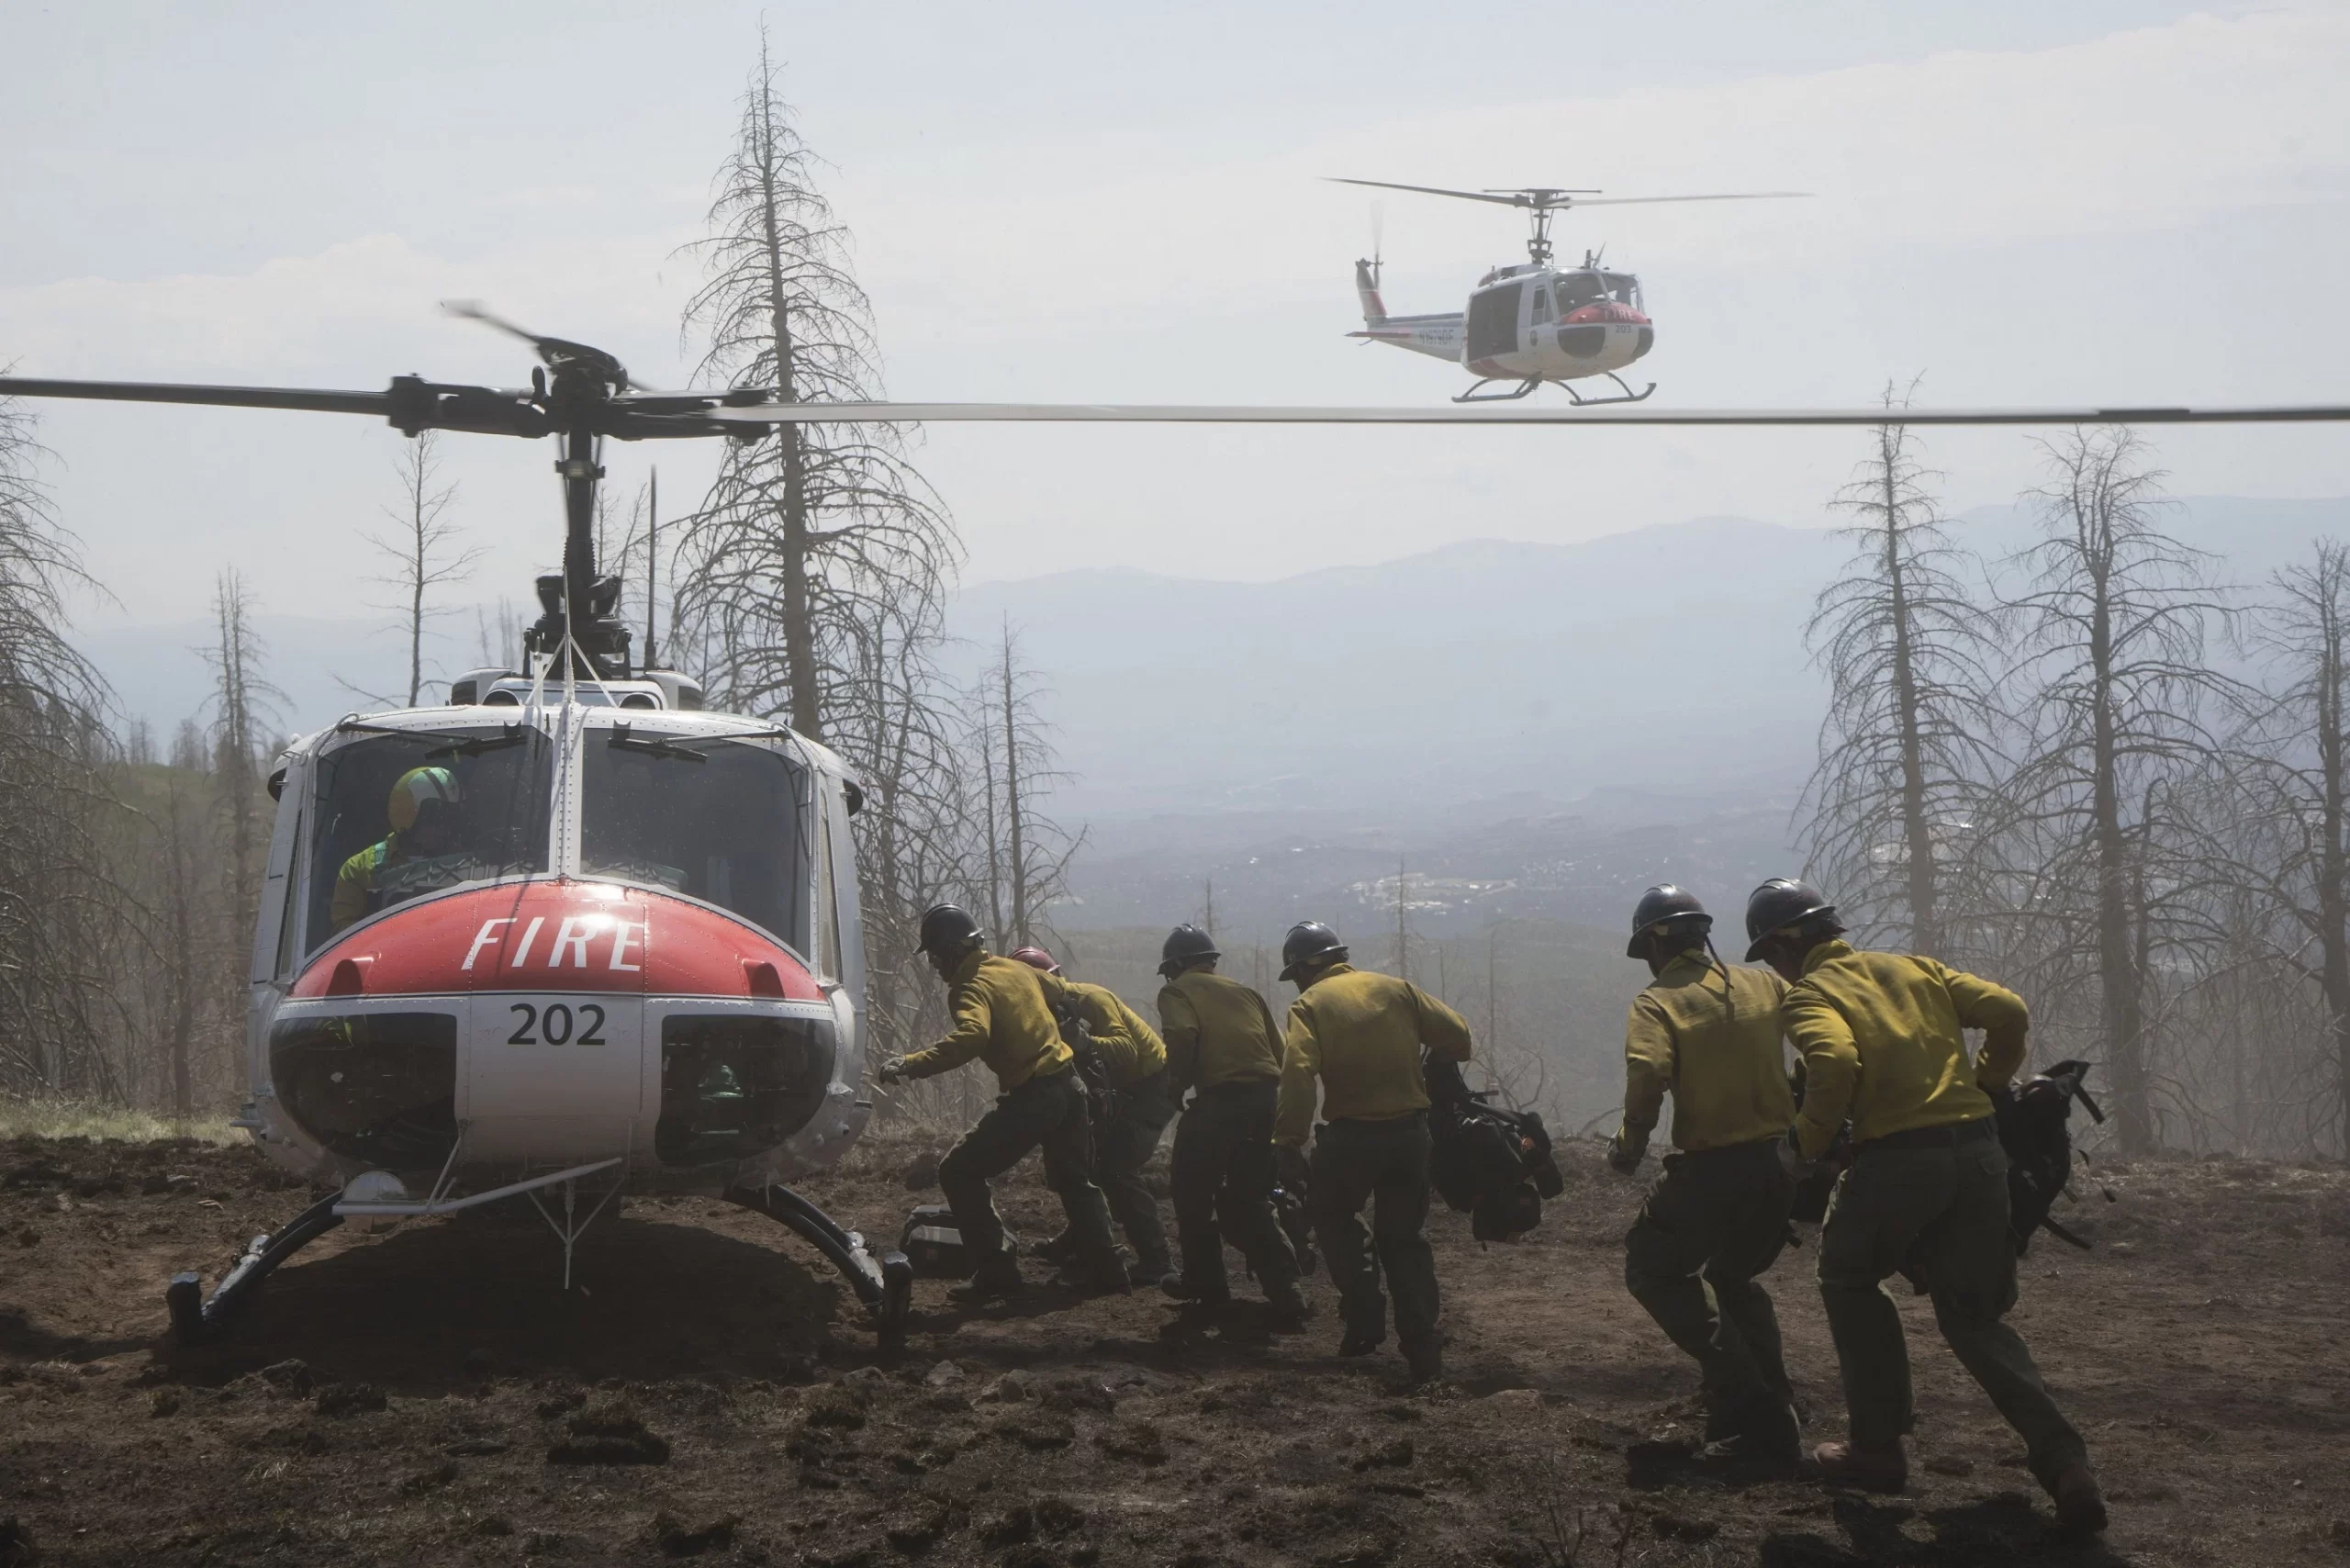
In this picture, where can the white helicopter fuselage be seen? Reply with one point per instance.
(642, 954)
(1524, 322)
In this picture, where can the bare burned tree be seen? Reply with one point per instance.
(814, 538)
(1024, 852)
(809, 583)
(422, 547)
(55, 898)
(242, 704)
(2290, 824)
(1908, 742)
(2116, 698)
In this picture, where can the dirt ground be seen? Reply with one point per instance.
(433, 1396)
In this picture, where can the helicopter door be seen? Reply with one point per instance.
(1493, 316)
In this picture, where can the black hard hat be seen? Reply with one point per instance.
(1778, 904)
(1310, 942)
(948, 929)
(1185, 945)
(1660, 905)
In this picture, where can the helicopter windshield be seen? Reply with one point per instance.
(1577, 290)
(1623, 288)
(396, 815)
(713, 819)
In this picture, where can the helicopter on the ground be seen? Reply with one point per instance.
(1531, 323)
(569, 935)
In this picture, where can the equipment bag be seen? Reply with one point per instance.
(1494, 1165)
(933, 1244)
(2031, 1125)
(1092, 1071)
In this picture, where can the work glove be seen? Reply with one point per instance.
(1626, 1150)
(1289, 1168)
(893, 1071)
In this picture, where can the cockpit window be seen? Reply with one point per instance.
(402, 814)
(1623, 288)
(1577, 290)
(716, 820)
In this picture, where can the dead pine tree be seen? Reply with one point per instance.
(1908, 742)
(1027, 852)
(242, 701)
(55, 891)
(2294, 826)
(814, 534)
(2115, 694)
(807, 584)
(422, 547)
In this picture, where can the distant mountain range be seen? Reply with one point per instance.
(1664, 661)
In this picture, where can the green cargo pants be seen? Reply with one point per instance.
(1221, 1177)
(1050, 1111)
(1121, 1146)
(1944, 1210)
(1716, 1217)
(1384, 1164)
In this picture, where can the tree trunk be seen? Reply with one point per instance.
(1015, 828)
(798, 610)
(2332, 884)
(2117, 957)
(1917, 829)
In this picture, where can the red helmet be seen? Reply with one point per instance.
(1037, 958)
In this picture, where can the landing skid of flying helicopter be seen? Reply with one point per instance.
(609, 941)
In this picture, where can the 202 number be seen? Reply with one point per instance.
(556, 1024)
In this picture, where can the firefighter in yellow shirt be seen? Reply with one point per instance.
(1883, 1042)
(1002, 1018)
(1134, 1068)
(1360, 1035)
(1708, 1035)
(1224, 1048)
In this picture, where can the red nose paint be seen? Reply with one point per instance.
(557, 936)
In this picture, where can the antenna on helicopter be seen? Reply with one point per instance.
(1543, 203)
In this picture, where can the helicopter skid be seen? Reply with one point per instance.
(196, 1318)
(1629, 395)
(884, 1286)
(1474, 395)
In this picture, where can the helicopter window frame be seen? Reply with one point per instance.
(529, 828)
(1540, 311)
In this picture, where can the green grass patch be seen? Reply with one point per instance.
(91, 1119)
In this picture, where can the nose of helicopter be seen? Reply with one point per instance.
(552, 1020)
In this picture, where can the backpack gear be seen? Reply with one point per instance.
(948, 929)
(1092, 1067)
(1493, 1164)
(1289, 1208)
(1662, 907)
(1778, 904)
(2032, 1123)
(1036, 959)
(1309, 943)
(1185, 945)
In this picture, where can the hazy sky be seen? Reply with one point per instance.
(2026, 200)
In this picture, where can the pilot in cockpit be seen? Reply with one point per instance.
(423, 811)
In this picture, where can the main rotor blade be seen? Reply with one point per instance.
(1728, 196)
(1242, 414)
(1497, 200)
(296, 398)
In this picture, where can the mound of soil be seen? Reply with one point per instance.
(707, 1389)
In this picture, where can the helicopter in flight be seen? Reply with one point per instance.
(1532, 323)
(569, 933)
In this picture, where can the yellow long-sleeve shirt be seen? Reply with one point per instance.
(1709, 1034)
(1001, 1019)
(1130, 1047)
(1218, 1031)
(1360, 1035)
(1883, 1042)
